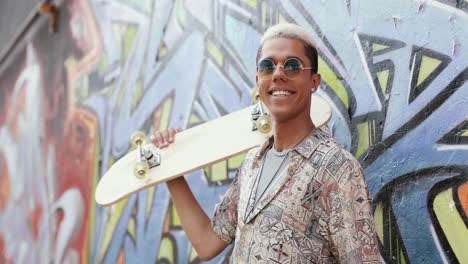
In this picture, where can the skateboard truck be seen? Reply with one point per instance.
(261, 120)
(146, 158)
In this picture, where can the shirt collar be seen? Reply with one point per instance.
(305, 148)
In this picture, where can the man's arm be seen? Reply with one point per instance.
(351, 224)
(195, 222)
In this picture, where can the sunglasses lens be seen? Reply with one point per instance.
(266, 69)
(292, 68)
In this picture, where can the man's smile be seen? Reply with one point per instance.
(279, 92)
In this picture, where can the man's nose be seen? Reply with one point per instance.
(279, 74)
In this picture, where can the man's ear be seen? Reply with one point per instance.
(316, 78)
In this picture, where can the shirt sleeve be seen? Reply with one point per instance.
(224, 221)
(351, 224)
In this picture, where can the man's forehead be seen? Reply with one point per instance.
(283, 48)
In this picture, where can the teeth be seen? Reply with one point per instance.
(280, 93)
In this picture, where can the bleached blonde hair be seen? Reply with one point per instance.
(288, 30)
(292, 31)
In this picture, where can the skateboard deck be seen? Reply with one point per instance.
(192, 149)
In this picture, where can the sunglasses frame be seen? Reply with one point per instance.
(270, 75)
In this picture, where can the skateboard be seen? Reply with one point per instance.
(192, 149)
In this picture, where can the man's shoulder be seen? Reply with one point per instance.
(335, 153)
(252, 152)
(250, 156)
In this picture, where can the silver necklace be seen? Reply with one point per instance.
(257, 178)
(272, 178)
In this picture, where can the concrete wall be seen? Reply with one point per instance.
(394, 71)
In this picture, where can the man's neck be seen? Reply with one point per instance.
(288, 134)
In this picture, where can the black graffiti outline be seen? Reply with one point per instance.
(378, 149)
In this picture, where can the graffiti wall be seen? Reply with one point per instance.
(394, 73)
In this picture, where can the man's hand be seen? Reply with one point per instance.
(164, 138)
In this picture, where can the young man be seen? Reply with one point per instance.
(298, 198)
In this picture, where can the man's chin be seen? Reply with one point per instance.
(281, 115)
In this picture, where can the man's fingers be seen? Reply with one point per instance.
(162, 139)
(171, 134)
(165, 135)
(156, 139)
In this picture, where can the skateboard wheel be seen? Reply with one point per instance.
(138, 138)
(141, 170)
(264, 124)
(255, 96)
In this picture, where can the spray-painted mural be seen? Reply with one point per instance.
(394, 72)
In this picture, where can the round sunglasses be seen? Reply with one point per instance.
(292, 68)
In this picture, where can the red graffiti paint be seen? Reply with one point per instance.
(35, 217)
(17, 109)
(4, 183)
(76, 170)
(4, 259)
(463, 196)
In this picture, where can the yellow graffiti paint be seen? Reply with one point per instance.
(402, 257)
(390, 245)
(452, 224)
(332, 80)
(165, 115)
(102, 64)
(137, 93)
(382, 76)
(193, 255)
(194, 119)
(167, 250)
(235, 162)
(181, 13)
(217, 171)
(131, 227)
(215, 52)
(363, 130)
(129, 38)
(464, 133)
(117, 32)
(163, 50)
(378, 220)
(92, 207)
(264, 13)
(120, 97)
(70, 64)
(428, 65)
(111, 89)
(149, 200)
(251, 3)
(378, 47)
(174, 217)
(81, 89)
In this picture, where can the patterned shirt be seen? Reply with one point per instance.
(319, 213)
